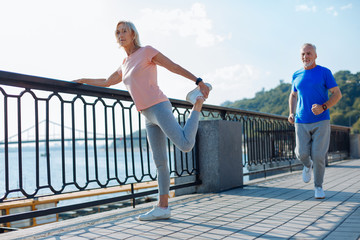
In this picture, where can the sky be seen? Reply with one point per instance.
(241, 47)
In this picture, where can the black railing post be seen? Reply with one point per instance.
(133, 195)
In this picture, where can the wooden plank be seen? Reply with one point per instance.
(13, 203)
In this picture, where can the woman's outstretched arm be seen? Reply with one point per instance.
(165, 62)
(115, 78)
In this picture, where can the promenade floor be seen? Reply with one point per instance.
(278, 208)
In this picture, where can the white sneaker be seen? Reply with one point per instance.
(306, 174)
(319, 193)
(192, 95)
(155, 214)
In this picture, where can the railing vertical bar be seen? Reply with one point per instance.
(175, 167)
(264, 136)
(132, 194)
(95, 146)
(63, 165)
(246, 132)
(289, 142)
(252, 139)
(140, 145)
(279, 134)
(37, 147)
(19, 144)
(125, 145)
(267, 139)
(275, 141)
(86, 144)
(186, 154)
(106, 144)
(114, 143)
(6, 146)
(248, 147)
(244, 144)
(259, 145)
(282, 141)
(293, 144)
(132, 146)
(261, 139)
(180, 152)
(47, 143)
(73, 135)
(148, 158)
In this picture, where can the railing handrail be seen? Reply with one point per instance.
(42, 83)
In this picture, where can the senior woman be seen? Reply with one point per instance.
(138, 71)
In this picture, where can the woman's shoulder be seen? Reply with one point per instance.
(149, 50)
(148, 47)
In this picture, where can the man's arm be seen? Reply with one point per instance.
(333, 100)
(292, 106)
(335, 97)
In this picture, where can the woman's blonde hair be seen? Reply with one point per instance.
(131, 26)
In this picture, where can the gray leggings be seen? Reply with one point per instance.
(161, 123)
(312, 141)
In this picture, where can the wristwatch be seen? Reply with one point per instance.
(324, 107)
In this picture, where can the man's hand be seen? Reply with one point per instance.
(317, 109)
(291, 118)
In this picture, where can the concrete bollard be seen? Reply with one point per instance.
(220, 155)
(355, 145)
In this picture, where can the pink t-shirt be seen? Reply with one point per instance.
(139, 75)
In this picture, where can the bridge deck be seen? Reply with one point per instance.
(279, 208)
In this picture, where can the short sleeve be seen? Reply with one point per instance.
(150, 52)
(119, 70)
(293, 84)
(330, 81)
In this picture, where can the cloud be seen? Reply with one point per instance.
(230, 83)
(305, 8)
(349, 6)
(186, 23)
(236, 82)
(331, 10)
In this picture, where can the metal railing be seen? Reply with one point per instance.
(58, 137)
(269, 141)
(85, 137)
(98, 141)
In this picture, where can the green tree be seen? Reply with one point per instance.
(338, 118)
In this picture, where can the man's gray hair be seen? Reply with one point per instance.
(309, 44)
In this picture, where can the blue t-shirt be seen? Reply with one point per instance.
(312, 88)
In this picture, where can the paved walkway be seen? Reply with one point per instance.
(278, 208)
